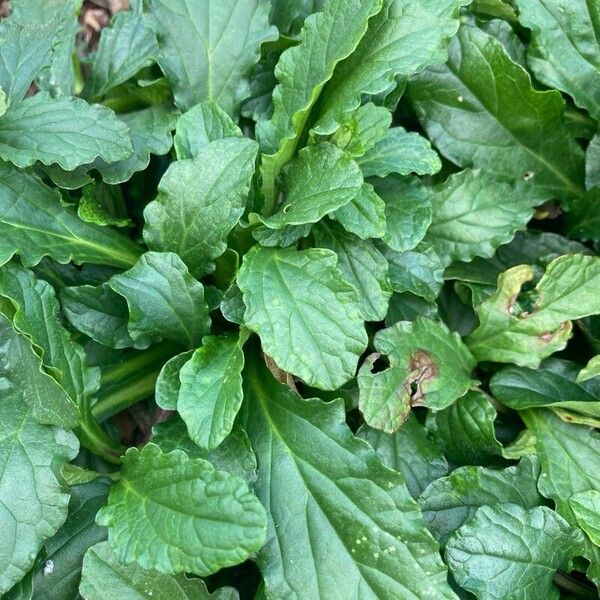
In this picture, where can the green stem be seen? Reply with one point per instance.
(574, 117)
(123, 103)
(269, 192)
(131, 381)
(96, 440)
(125, 397)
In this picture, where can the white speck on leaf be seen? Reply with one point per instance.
(48, 568)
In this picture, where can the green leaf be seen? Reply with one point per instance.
(202, 124)
(27, 383)
(451, 501)
(506, 35)
(494, 8)
(302, 71)
(208, 49)
(102, 205)
(34, 499)
(590, 326)
(177, 514)
(147, 89)
(289, 15)
(583, 220)
(63, 275)
(376, 540)
(522, 445)
(307, 316)
(592, 161)
(361, 264)
(455, 309)
(407, 307)
(75, 475)
(409, 451)
(126, 46)
(25, 50)
(364, 215)
(66, 548)
(164, 300)
(168, 383)
(200, 201)
(473, 214)
(213, 296)
(322, 179)
(481, 111)
(566, 452)
(419, 271)
(563, 52)
(428, 366)
(591, 370)
(211, 390)
(567, 291)
(258, 106)
(150, 131)
(34, 223)
(505, 544)
(61, 16)
(586, 508)
(529, 246)
(401, 40)
(400, 152)
(465, 431)
(362, 129)
(104, 576)
(67, 131)
(233, 455)
(553, 384)
(36, 316)
(407, 211)
(232, 306)
(100, 313)
(288, 236)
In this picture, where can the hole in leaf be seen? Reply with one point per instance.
(380, 364)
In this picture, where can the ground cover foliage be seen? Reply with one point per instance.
(299, 299)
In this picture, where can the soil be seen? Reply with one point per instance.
(94, 16)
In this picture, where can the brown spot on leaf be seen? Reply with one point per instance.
(548, 210)
(279, 374)
(422, 362)
(511, 303)
(548, 336)
(422, 369)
